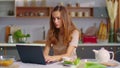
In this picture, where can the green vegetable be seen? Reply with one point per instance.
(18, 34)
(76, 61)
(94, 65)
(67, 62)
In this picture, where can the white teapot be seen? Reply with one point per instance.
(103, 55)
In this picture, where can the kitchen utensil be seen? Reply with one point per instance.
(10, 38)
(89, 39)
(103, 55)
(6, 60)
(72, 14)
(80, 14)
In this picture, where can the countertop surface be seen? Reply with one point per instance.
(52, 65)
(42, 44)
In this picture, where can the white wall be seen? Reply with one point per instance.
(34, 25)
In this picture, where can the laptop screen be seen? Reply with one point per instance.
(31, 54)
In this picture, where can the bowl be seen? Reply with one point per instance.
(41, 14)
(102, 41)
(6, 60)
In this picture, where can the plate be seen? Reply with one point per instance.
(111, 63)
(87, 60)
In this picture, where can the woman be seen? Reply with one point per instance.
(62, 36)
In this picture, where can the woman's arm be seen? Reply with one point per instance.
(59, 57)
(67, 54)
(46, 50)
(46, 54)
(72, 45)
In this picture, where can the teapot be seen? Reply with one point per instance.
(103, 55)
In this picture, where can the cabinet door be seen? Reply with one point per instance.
(7, 8)
(12, 51)
(2, 50)
(27, 12)
(100, 12)
(86, 51)
(117, 53)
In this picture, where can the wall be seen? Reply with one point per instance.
(34, 25)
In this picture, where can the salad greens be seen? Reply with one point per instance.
(75, 62)
(88, 64)
(94, 65)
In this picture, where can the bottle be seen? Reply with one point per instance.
(43, 3)
(81, 36)
(7, 32)
(10, 38)
(43, 33)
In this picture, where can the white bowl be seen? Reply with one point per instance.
(41, 14)
(102, 41)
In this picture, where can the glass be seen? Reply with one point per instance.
(22, 40)
(103, 38)
(86, 14)
(118, 37)
(80, 14)
(72, 14)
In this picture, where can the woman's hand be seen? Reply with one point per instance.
(50, 59)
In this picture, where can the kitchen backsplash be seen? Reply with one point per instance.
(83, 3)
(34, 26)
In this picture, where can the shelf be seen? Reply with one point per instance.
(7, 8)
(98, 44)
(82, 12)
(32, 17)
(14, 44)
(100, 12)
(44, 12)
(38, 44)
(31, 12)
(83, 17)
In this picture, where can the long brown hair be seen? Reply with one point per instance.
(67, 27)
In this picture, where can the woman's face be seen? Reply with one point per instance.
(56, 16)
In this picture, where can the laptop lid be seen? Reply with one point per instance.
(31, 54)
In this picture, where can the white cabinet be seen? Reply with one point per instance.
(7, 8)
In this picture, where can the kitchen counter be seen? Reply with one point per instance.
(14, 44)
(38, 44)
(52, 65)
(10, 49)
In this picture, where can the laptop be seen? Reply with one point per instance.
(31, 54)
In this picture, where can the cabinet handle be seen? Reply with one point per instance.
(102, 15)
(111, 48)
(118, 48)
(1, 49)
(83, 48)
